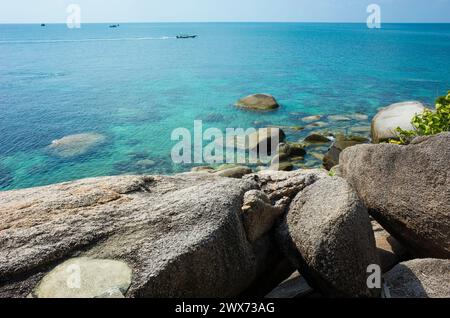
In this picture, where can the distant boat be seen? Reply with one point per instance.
(185, 36)
(43, 25)
(114, 25)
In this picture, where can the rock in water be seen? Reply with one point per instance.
(234, 172)
(406, 189)
(419, 278)
(388, 119)
(317, 138)
(331, 158)
(182, 236)
(258, 102)
(328, 236)
(85, 278)
(76, 145)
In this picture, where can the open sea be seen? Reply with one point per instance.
(134, 84)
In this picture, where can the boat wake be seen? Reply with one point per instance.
(86, 40)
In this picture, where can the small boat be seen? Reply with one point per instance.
(184, 36)
(43, 25)
(114, 25)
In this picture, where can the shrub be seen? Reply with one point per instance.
(428, 123)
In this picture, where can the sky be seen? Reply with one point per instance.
(93, 11)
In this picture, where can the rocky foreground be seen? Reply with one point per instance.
(201, 234)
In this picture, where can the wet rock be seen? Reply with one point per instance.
(331, 158)
(262, 102)
(317, 138)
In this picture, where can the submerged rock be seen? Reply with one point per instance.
(311, 118)
(328, 236)
(406, 189)
(339, 118)
(419, 278)
(388, 119)
(317, 138)
(76, 145)
(258, 102)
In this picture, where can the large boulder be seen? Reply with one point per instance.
(181, 236)
(396, 115)
(258, 102)
(419, 278)
(328, 236)
(406, 189)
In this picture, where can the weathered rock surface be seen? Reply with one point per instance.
(182, 236)
(76, 145)
(406, 189)
(419, 278)
(328, 236)
(85, 278)
(258, 102)
(259, 214)
(396, 115)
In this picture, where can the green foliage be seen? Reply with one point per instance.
(428, 123)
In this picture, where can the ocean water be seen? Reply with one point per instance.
(137, 83)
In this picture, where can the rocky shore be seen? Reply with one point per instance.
(376, 225)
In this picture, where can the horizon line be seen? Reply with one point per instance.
(173, 22)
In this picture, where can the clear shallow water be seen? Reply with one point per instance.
(135, 84)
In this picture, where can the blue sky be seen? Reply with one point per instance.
(36, 11)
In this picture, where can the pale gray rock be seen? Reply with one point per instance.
(390, 118)
(259, 214)
(419, 278)
(406, 189)
(85, 278)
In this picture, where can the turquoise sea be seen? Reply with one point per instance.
(136, 83)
